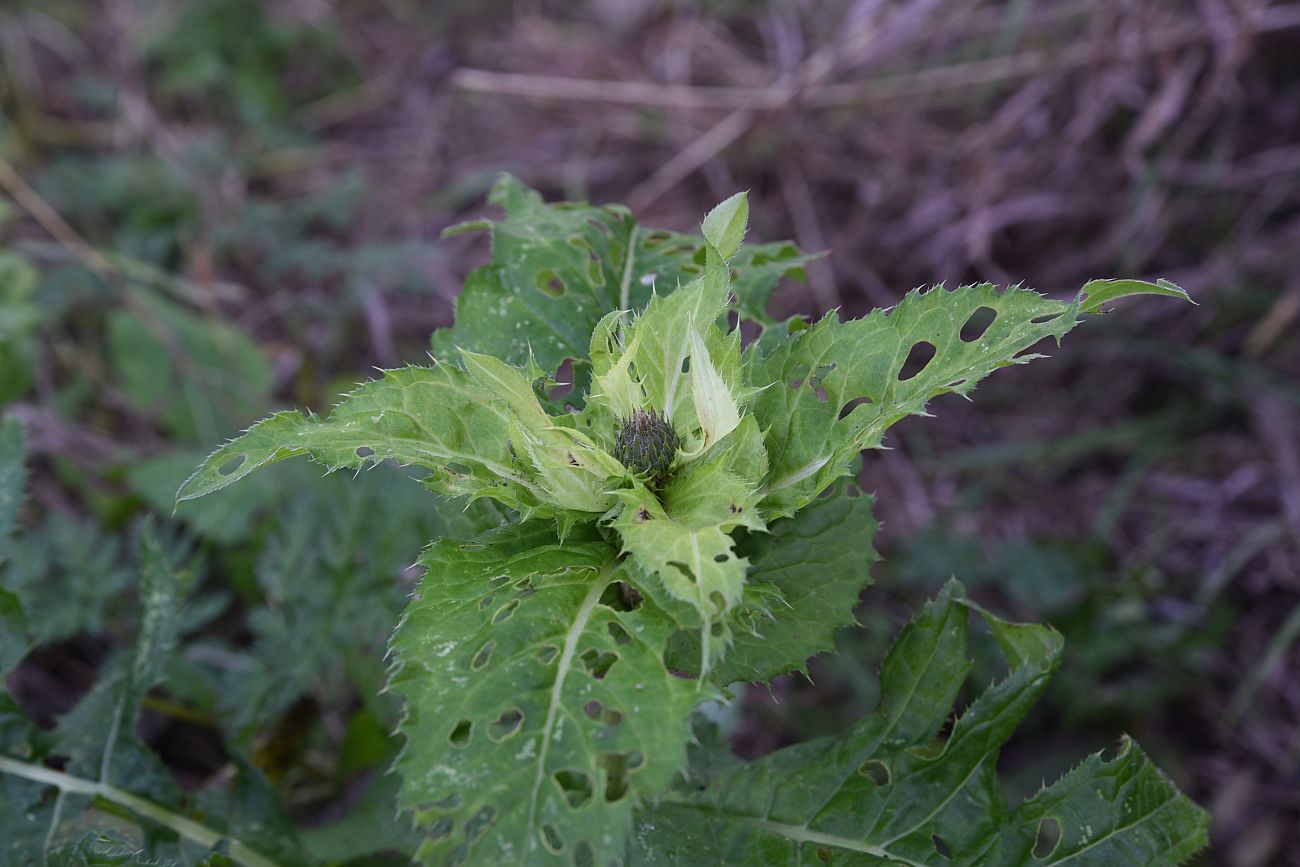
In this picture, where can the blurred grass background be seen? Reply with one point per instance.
(210, 209)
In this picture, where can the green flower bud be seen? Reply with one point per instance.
(646, 444)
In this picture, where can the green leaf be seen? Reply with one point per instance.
(98, 735)
(724, 226)
(13, 625)
(1097, 293)
(539, 710)
(805, 576)
(558, 269)
(462, 425)
(13, 475)
(896, 789)
(199, 377)
(834, 388)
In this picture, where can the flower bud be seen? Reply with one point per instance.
(646, 444)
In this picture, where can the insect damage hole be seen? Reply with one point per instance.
(550, 283)
(232, 464)
(852, 405)
(876, 771)
(479, 822)
(977, 324)
(575, 786)
(615, 766)
(941, 847)
(551, 838)
(460, 735)
(918, 358)
(505, 612)
(598, 664)
(563, 381)
(506, 726)
(583, 856)
(1047, 838)
(364, 451)
(483, 657)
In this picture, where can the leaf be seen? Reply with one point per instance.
(13, 474)
(896, 790)
(13, 625)
(459, 424)
(98, 735)
(684, 539)
(805, 576)
(835, 387)
(558, 269)
(1097, 293)
(199, 377)
(724, 226)
(539, 709)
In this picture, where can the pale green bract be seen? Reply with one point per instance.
(549, 666)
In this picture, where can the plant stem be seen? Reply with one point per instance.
(186, 828)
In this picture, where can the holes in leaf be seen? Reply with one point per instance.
(634, 760)
(576, 787)
(621, 596)
(597, 663)
(232, 464)
(583, 856)
(507, 725)
(921, 354)
(460, 735)
(563, 380)
(497, 581)
(479, 822)
(441, 828)
(1047, 838)
(505, 612)
(876, 771)
(853, 404)
(486, 602)
(619, 634)
(550, 283)
(547, 653)
(978, 323)
(798, 375)
(364, 451)
(930, 750)
(483, 657)
(654, 239)
(616, 784)
(720, 558)
(597, 711)
(686, 364)
(551, 838)
(450, 802)
(1044, 319)
(941, 847)
(684, 569)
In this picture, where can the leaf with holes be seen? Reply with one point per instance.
(480, 429)
(558, 269)
(539, 710)
(805, 576)
(900, 789)
(835, 387)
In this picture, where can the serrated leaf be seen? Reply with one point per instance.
(98, 735)
(805, 576)
(893, 790)
(460, 424)
(835, 387)
(539, 709)
(557, 269)
(1095, 294)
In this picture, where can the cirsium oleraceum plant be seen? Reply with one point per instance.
(682, 520)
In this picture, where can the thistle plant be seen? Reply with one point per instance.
(687, 521)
